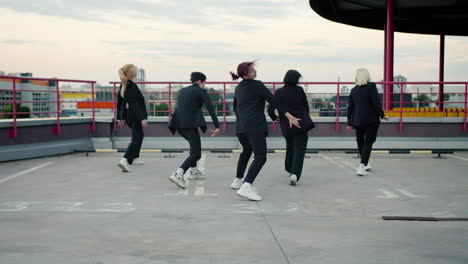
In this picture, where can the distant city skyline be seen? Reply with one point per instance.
(171, 38)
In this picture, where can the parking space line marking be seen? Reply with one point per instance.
(388, 194)
(457, 157)
(11, 177)
(407, 193)
(331, 160)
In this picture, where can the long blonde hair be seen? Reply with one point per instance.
(362, 76)
(123, 76)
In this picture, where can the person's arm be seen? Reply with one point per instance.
(234, 106)
(119, 105)
(271, 108)
(268, 96)
(132, 99)
(350, 107)
(209, 107)
(376, 100)
(304, 100)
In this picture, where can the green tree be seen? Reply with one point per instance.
(216, 98)
(423, 100)
(19, 109)
(158, 107)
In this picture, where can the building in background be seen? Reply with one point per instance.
(39, 96)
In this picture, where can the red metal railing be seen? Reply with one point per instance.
(331, 104)
(14, 100)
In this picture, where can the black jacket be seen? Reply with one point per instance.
(136, 102)
(249, 106)
(188, 113)
(294, 101)
(364, 106)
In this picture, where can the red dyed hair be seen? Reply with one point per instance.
(242, 70)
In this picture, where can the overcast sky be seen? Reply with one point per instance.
(84, 39)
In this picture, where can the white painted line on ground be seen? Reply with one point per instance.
(457, 157)
(199, 190)
(202, 162)
(410, 195)
(13, 207)
(24, 172)
(388, 194)
(347, 163)
(184, 192)
(331, 160)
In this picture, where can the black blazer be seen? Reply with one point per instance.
(294, 101)
(188, 113)
(136, 104)
(364, 106)
(249, 106)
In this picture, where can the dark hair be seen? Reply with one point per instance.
(242, 70)
(197, 76)
(292, 77)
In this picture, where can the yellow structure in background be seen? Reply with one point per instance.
(426, 112)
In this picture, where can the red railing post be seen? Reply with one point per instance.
(114, 99)
(170, 102)
(224, 107)
(466, 104)
(92, 127)
(13, 132)
(337, 107)
(273, 123)
(56, 130)
(400, 127)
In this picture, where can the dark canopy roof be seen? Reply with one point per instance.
(449, 17)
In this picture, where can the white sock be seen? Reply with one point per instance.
(180, 172)
(247, 184)
(192, 168)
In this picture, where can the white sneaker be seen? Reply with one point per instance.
(367, 167)
(178, 180)
(361, 171)
(137, 161)
(293, 180)
(123, 164)
(248, 192)
(195, 174)
(237, 183)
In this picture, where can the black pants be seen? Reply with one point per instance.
(133, 149)
(256, 142)
(295, 151)
(193, 138)
(365, 137)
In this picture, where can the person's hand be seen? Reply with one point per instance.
(292, 120)
(386, 118)
(214, 132)
(120, 123)
(144, 123)
(349, 128)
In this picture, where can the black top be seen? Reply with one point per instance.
(364, 106)
(136, 104)
(294, 101)
(249, 106)
(188, 113)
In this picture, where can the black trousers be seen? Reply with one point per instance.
(295, 151)
(365, 137)
(256, 142)
(193, 138)
(133, 149)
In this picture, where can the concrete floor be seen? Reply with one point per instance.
(83, 209)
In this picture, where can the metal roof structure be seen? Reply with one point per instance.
(448, 17)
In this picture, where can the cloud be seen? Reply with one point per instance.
(201, 12)
(16, 41)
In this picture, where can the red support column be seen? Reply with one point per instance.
(56, 129)
(114, 100)
(385, 69)
(337, 106)
(224, 107)
(13, 132)
(441, 72)
(389, 56)
(273, 123)
(92, 127)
